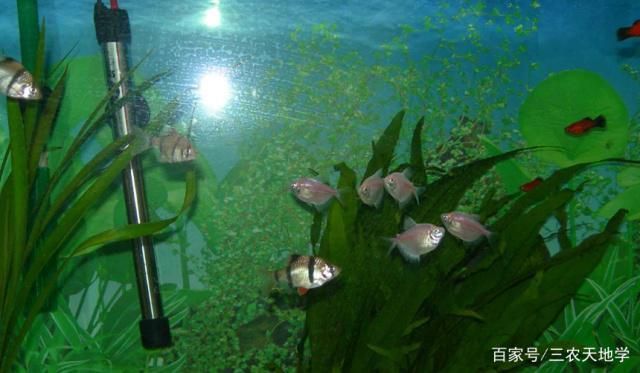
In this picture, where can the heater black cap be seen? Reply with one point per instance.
(112, 25)
(155, 333)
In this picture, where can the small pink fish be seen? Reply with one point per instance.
(313, 192)
(371, 190)
(401, 188)
(466, 227)
(417, 239)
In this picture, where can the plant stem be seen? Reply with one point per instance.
(184, 260)
(28, 24)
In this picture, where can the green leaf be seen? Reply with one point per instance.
(628, 177)
(585, 321)
(629, 365)
(511, 174)
(316, 227)
(396, 355)
(467, 313)
(137, 230)
(44, 126)
(414, 325)
(32, 108)
(383, 148)
(417, 161)
(72, 188)
(75, 337)
(565, 98)
(628, 199)
(18, 171)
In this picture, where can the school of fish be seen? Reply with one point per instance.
(416, 239)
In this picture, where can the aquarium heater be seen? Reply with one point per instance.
(113, 33)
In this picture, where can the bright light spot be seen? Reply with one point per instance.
(214, 90)
(212, 17)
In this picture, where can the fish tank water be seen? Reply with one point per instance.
(521, 117)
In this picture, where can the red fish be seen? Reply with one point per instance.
(629, 32)
(527, 187)
(585, 125)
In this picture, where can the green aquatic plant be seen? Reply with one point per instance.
(109, 341)
(604, 315)
(606, 305)
(35, 245)
(446, 313)
(629, 179)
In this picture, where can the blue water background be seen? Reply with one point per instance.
(254, 33)
(572, 34)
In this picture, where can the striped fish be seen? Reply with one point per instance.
(173, 147)
(16, 81)
(306, 272)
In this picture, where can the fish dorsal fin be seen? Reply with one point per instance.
(407, 172)
(170, 131)
(475, 217)
(408, 223)
(293, 258)
(378, 173)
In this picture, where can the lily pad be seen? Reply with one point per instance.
(565, 98)
(629, 176)
(626, 200)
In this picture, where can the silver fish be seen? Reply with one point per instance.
(16, 81)
(371, 190)
(306, 272)
(313, 192)
(401, 188)
(466, 227)
(417, 239)
(173, 147)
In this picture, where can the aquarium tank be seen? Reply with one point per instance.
(315, 186)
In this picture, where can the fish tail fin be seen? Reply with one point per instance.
(378, 203)
(418, 192)
(623, 33)
(600, 121)
(492, 238)
(268, 281)
(409, 256)
(143, 140)
(339, 193)
(392, 243)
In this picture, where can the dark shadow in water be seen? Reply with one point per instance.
(629, 51)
